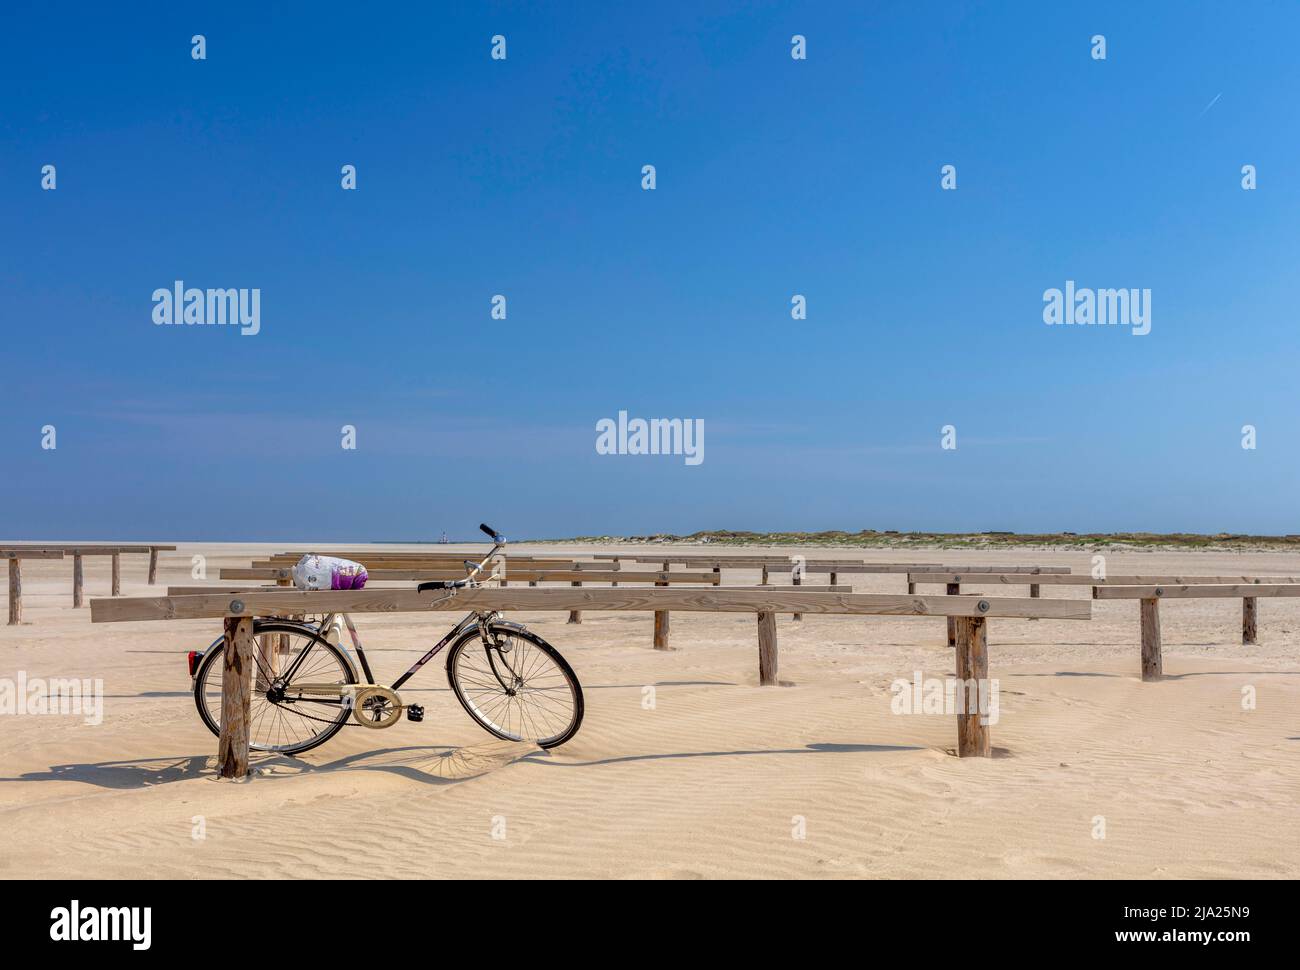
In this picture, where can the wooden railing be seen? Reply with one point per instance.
(45, 550)
(237, 611)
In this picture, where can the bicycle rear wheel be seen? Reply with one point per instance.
(281, 720)
(520, 689)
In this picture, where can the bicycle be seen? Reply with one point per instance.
(518, 687)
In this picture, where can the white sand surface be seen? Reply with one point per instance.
(717, 778)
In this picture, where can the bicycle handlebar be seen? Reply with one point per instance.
(474, 569)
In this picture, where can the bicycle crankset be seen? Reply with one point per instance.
(377, 707)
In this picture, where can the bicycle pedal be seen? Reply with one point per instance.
(414, 712)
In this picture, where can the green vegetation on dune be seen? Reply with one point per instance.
(870, 538)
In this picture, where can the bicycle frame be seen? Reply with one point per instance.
(482, 620)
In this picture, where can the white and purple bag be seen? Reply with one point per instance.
(327, 572)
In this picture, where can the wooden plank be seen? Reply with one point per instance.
(78, 582)
(15, 591)
(1020, 579)
(1152, 663)
(117, 574)
(973, 735)
(396, 563)
(153, 565)
(1183, 592)
(767, 650)
(18, 552)
(953, 589)
(515, 575)
(855, 565)
(236, 697)
(95, 550)
(1249, 619)
(263, 588)
(622, 599)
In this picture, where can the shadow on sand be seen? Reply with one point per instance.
(429, 764)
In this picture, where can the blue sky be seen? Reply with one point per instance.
(522, 177)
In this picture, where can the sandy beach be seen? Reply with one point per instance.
(685, 767)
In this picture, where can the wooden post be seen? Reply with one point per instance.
(575, 616)
(268, 648)
(237, 663)
(953, 590)
(797, 580)
(78, 581)
(15, 592)
(661, 621)
(973, 740)
(153, 565)
(661, 627)
(1248, 619)
(282, 640)
(833, 575)
(1152, 665)
(911, 589)
(1033, 594)
(767, 657)
(117, 574)
(763, 581)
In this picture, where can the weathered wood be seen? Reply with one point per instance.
(29, 552)
(1186, 592)
(514, 574)
(262, 588)
(767, 652)
(856, 566)
(763, 581)
(1152, 663)
(15, 591)
(973, 735)
(153, 565)
(1034, 594)
(1019, 579)
(796, 579)
(1249, 619)
(236, 686)
(103, 550)
(575, 616)
(952, 590)
(625, 598)
(78, 581)
(117, 574)
(661, 627)
(661, 621)
(266, 663)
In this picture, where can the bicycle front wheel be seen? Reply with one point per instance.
(519, 689)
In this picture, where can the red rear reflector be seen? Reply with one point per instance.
(194, 656)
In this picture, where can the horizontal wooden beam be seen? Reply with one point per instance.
(1020, 579)
(227, 588)
(20, 553)
(576, 598)
(511, 575)
(92, 549)
(855, 567)
(1184, 592)
(452, 564)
